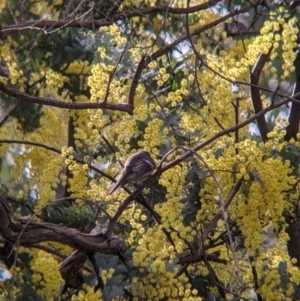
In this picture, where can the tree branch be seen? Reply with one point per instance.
(294, 117)
(61, 104)
(45, 24)
(40, 232)
(255, 94)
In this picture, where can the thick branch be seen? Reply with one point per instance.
(294, 118)
(39, 232)
(61, 104)
(70, 269)
(255, 94)
(71, 266)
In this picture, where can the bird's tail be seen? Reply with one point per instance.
(117, 185)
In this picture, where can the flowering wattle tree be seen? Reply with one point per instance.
(210, 89)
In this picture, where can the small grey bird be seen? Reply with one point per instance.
(136, 168)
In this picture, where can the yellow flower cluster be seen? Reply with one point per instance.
(106, 275)
(44, 170)
(153, 65)
(289, 38)
(162, 77)
(88, 124)
(271, 287)
(79, 180)
(67, 151)
(55, 80)
(96, 190)
(99, 80)
(87, 293)
(287, 33)
(265, 199)
(232, 62)
(15, 73)
(161, 284)
(43, 166)
(175, 97)
(140, 112)
(78, 67)
(46, 269)
(100, 72)
(35, 77)
(152, 136)
(54, 121)
(147, 249)
(192, 121)
(171, 210)
(78, 183)
(114, 30)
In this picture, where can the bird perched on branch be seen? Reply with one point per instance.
(136, 168)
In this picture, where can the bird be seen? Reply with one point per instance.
(136, 168)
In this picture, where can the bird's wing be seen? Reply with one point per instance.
(142, 167)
